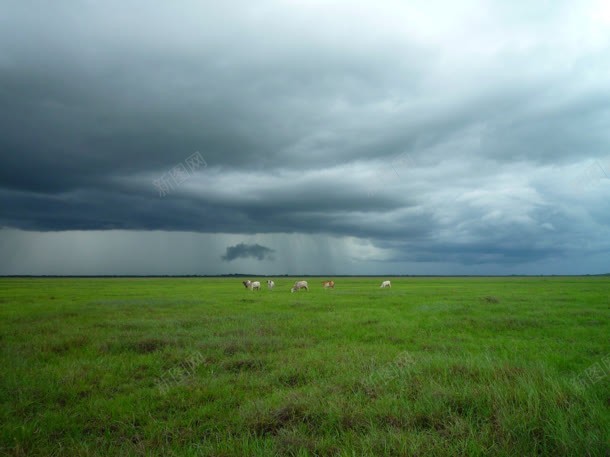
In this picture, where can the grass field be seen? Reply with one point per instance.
(203, 367)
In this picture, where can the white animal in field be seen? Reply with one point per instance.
(252, 285)
(270, 284)
(386, 284)
(300, 285)
(328, 284)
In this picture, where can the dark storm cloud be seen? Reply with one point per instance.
(243, 251)
(300, 112)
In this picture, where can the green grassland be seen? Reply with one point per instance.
(203, 367)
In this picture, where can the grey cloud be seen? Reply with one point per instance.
(298, 112)
(242, 251)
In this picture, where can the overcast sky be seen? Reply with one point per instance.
(304, 137)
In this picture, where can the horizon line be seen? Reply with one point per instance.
(230, 275)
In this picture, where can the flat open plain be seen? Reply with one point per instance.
(203, 367)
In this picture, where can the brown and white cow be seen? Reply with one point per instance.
(328, 284)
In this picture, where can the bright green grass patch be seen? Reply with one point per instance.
(204, 367)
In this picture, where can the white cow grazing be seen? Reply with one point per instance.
(270, 284)
(386, 284)
(300, 285)
(255, 285)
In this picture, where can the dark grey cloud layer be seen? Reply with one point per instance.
(474, 136)
(243, 251)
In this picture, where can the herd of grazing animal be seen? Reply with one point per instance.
(298, 285)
